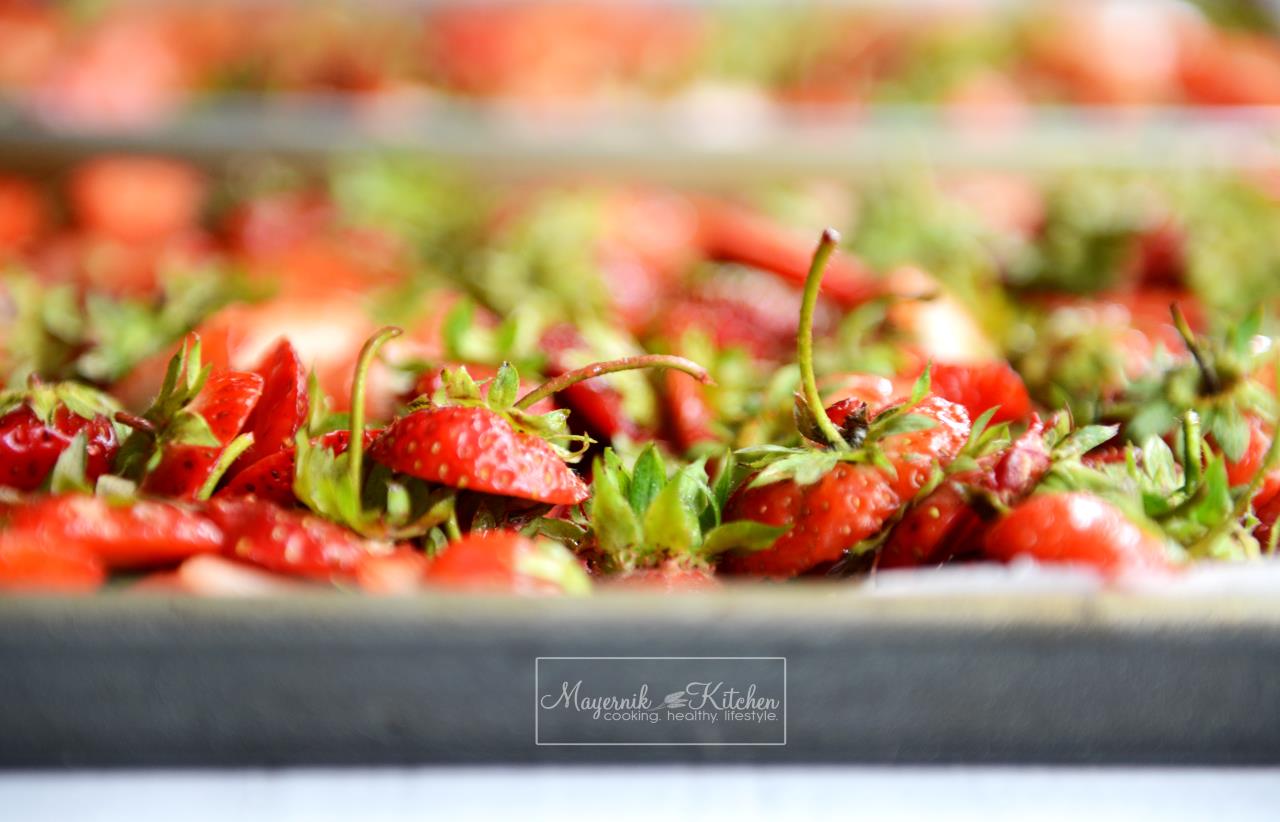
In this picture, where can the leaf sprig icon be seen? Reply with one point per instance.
(675, 700)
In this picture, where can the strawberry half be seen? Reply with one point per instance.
(224, 403)
(281, 410)
(505, 561)
(130, 535)
(271, 478)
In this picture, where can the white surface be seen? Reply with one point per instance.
(664, 793)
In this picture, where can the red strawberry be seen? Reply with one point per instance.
(225, 402)
(1241, 471)
(506, 561)
(979, 387)
(945, 523)
(289, 542)
(1075, 528)
(401, 572)
(213, 575)
(271, 478)
(669, 577)
(847, 505)
(476, 448)
(136, 199)
(282, 409)
(30, 445)
(133, 535)
(30, 562)
(913, 454)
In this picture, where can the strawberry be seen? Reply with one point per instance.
(290, 542)
(981, 386)
(134, 534)
(505, 561)
(834, 498)
(947, 522)
(39, 424)
(473, 447)
(224, 403)
(688, 416)
(403, 571)
(29, 562)
(848, 504)
(184, 442)
(281, 410)
(136, 199)
(494, 445)
(271, 478)
(1076, 528)
(670, 577)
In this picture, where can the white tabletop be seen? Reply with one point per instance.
(706, 794)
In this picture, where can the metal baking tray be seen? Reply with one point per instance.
(910, 669)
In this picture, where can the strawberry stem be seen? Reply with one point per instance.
(804, 339)
(1208, 372)
(355, 446)
(570, 378)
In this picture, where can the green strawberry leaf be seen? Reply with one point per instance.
(190, 428)
(920, 389)
(504, 388)
(1229, 427)
(804, 467)
(648, 478)
(671, 523)
(740, 536)
(616, 525)
(69, 471)
(1083, 440)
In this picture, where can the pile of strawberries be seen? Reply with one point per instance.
(693, 409)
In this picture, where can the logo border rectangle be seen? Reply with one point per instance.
(537, 661)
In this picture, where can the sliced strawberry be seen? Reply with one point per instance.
(508, 562)
(979, 387)
(401, 572)
(289, 542)
(225, 403)
(134, 535)
(282, 409)
(476, 448)
(271, 478)
(30, 561)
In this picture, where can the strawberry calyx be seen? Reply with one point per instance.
(44, 400)
(337, 487)
(168, 420)
(645, 518)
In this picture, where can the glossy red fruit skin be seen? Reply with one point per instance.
(914, 454)
(486, 561)
(1242, 470)
(271, 478)
(225, 403)
(475, 448)
(1075, 528)
(849, 504)
(31, 563)
(979, 387)
(136, 535)
(29, 448)
(944, 524)
(282, 408)
(289, 542)
(403, 571)
(22, 214)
